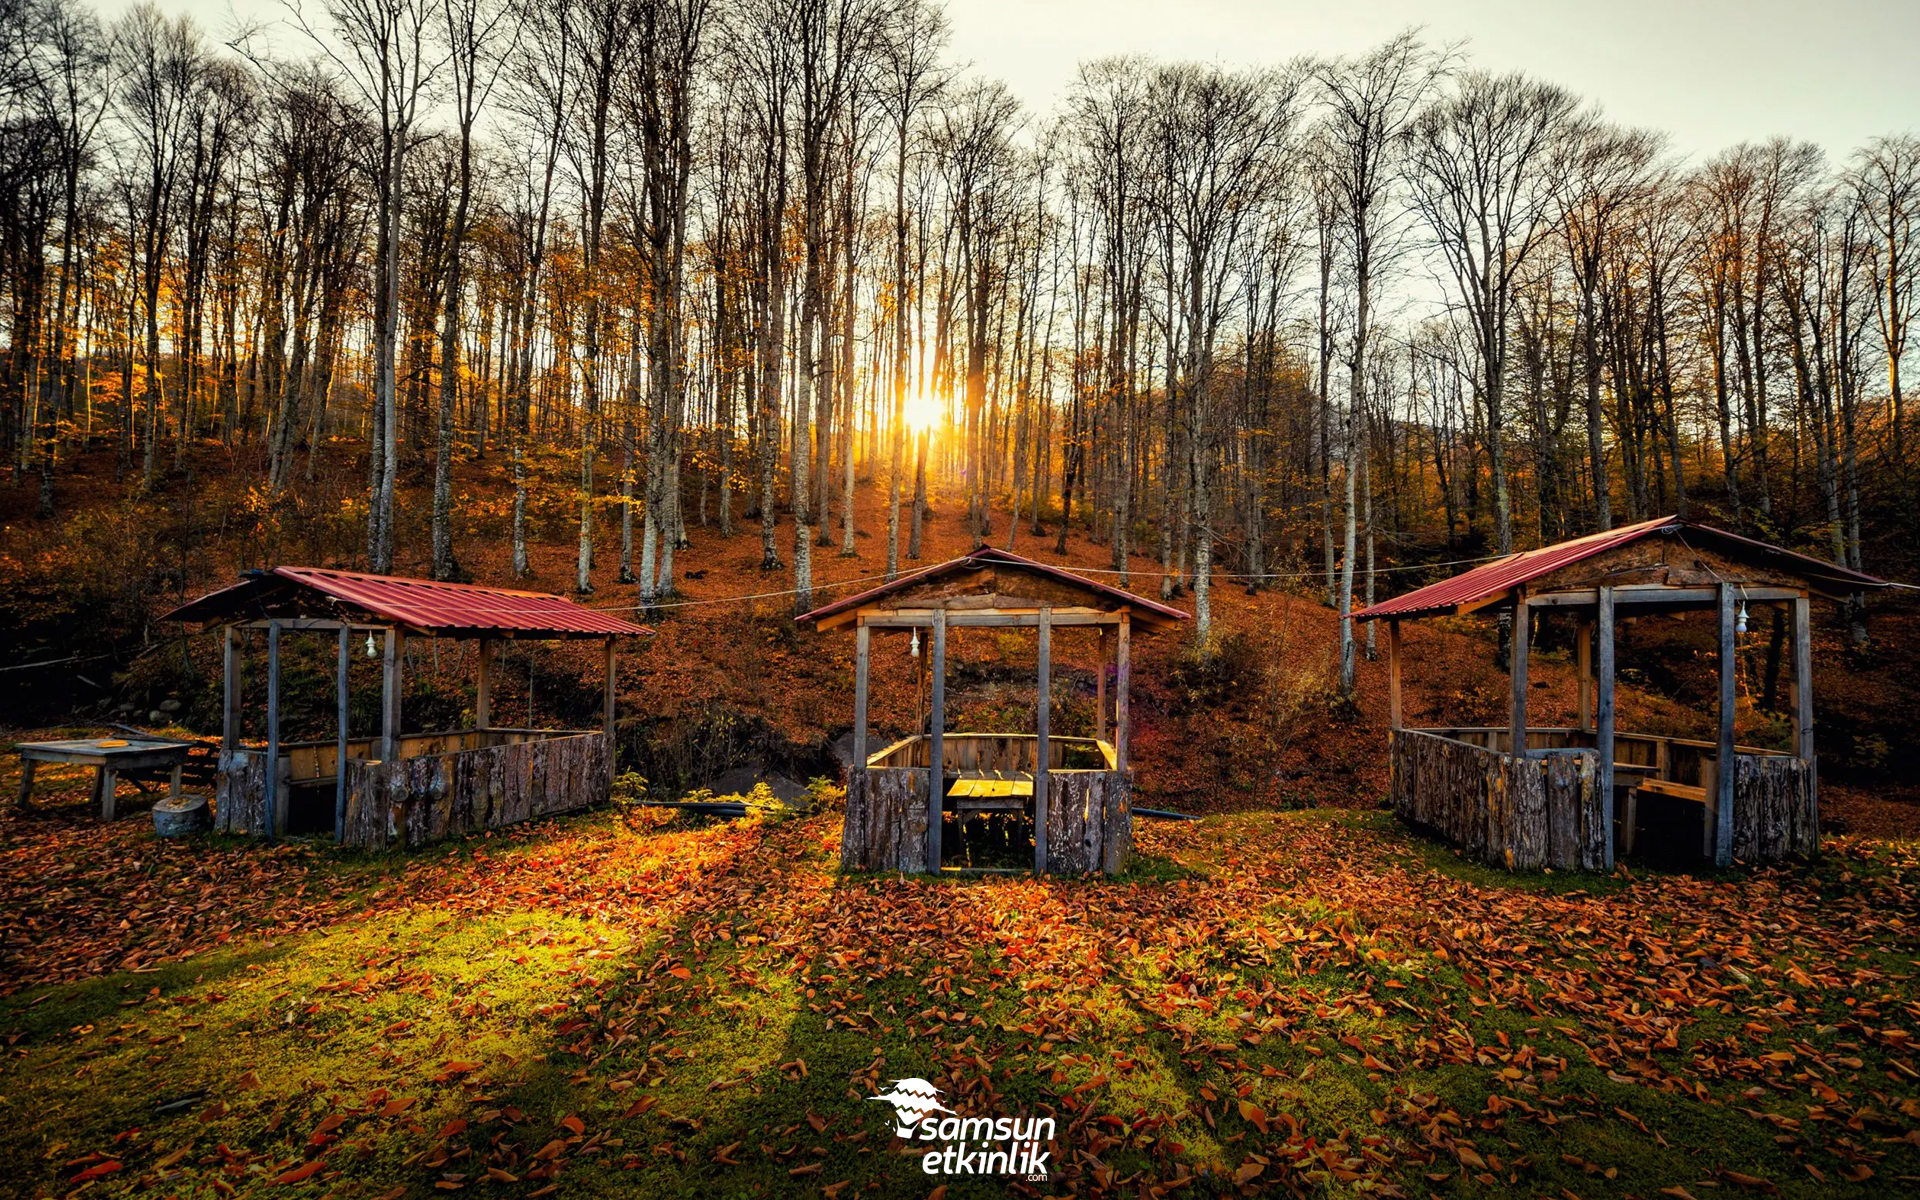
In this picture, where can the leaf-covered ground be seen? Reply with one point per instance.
(1313, 1002)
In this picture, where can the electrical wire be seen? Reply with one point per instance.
(54, 662)
(1270, 576)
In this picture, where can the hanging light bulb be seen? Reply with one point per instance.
(916, 643)
(1740, 622)
(372, 652)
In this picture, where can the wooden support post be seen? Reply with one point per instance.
(607, 701)
(390, 682)
(1803, 709)
(1722, 796)
(1100, 690)
(1802, 680)
(230, 703)
(483, 693)
(862, 653)
(27, 768)
(936, 741)
(1583, 659)
(275, 819)
(1123, 677)
(1517, 719)
(1603, 723)
(341, 694)
(1042, 709)
(1393, 673)
(107, 783)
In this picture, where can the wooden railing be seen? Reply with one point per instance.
(433, 796)
(442, 785)
(1632, 749)
(308, 762)
(1520, 813)
(1462, 782)
(999, 752)
(1089, 821)
(1089, 825)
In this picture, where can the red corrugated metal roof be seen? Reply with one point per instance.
(985, 557)
(420, 604)
(1495, 578)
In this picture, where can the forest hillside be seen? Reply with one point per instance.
(728, 681)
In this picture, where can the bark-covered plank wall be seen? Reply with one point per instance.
(1547, 811)
(1522, 814)
(430, 797)
(1089, 821)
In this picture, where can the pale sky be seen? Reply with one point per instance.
(1708, 72)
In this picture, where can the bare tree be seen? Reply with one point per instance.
(1740, 199)
(911, 48)
(479, 35)
(72, 92)
(1110, 115)
(159, 65)
(1606, 172)
(1372, 102)
(831, 39)
(383, 47)
(1480, 178)
(310, 143)
(1886, 185)
(975, 145)
(671, 34)
(1225, 139)
(760, 53)
(541, 98)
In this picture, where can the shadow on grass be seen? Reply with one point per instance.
(708, 1010)
(388, 1045)
(1417, 847)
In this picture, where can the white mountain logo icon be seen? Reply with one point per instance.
(913, 1100)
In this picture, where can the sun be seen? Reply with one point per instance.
(922, 410)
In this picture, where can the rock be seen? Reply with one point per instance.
(842, 751)
(178, 817)
(169, 706)
(740, 781)
(156, 717)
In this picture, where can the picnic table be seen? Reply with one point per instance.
(109, 757)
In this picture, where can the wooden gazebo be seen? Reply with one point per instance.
(394, 788)
(1528, 797)
(1073, 793)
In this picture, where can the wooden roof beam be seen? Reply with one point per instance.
(922, 618)
(1660, 594)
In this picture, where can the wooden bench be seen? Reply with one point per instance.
(1679, 791)
(202, 765)
(992, 791)
(1670, 790)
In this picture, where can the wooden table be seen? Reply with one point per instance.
(108, 757)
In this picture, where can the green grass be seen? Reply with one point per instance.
(705, 1010)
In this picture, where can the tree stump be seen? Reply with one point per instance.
(180, 816)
